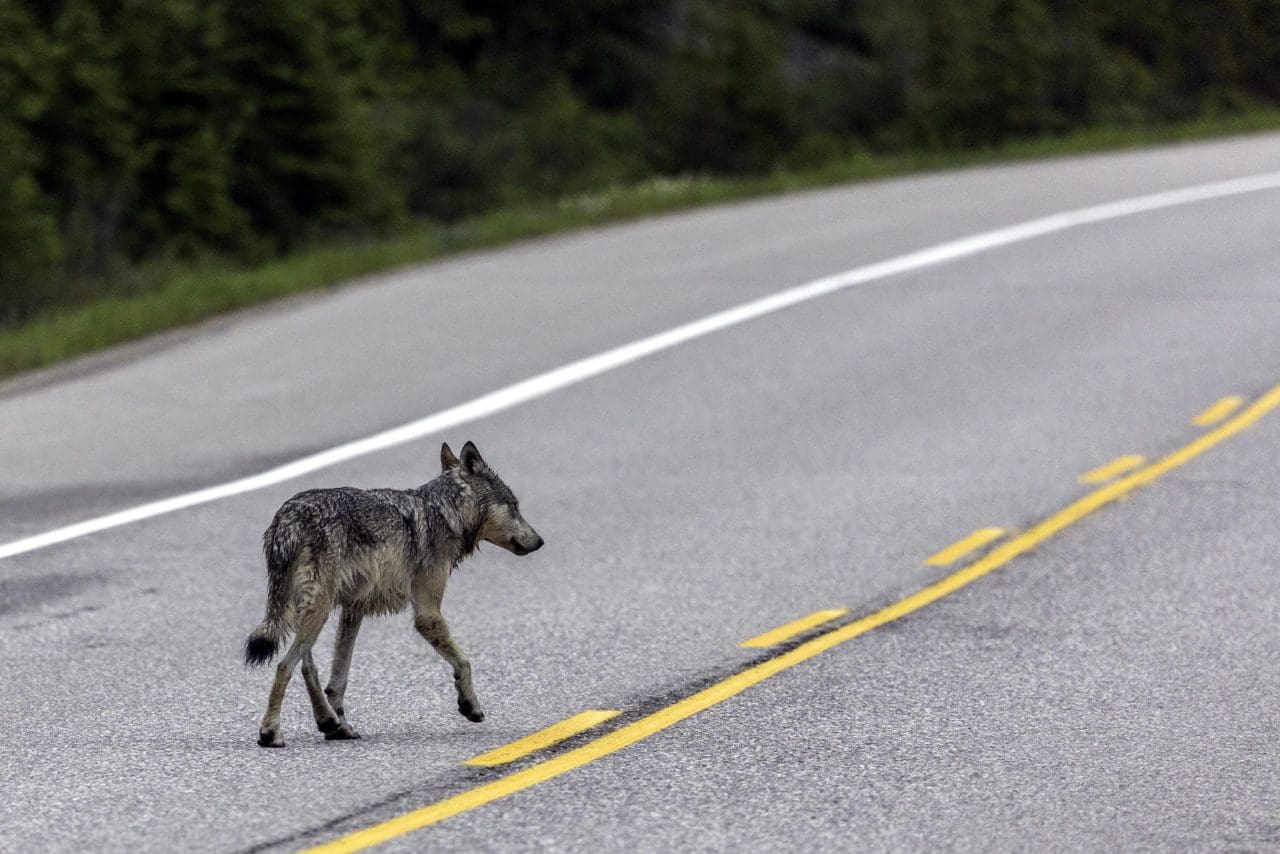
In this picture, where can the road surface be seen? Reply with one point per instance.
(1102, 675)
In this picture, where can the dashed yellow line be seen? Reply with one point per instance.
(1218, 411)
(795, 627)
(960, 548)
(543, 738)
(1111, 470)
(641, 729)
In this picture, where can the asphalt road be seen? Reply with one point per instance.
(1114, 687)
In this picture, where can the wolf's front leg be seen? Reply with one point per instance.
(435, 630)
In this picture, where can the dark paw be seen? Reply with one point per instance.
(329, 726)
(270, 738)
(472, 713)
(343, 733)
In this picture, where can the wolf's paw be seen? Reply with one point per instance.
(471, 711)
(270, 738)
(344, 732)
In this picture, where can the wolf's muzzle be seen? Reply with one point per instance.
(524, 550)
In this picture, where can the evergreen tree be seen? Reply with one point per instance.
(305, 159)
(89, 141)
(722, 103)
(30, 250)
(174, 57)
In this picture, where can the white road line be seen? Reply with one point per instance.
(583, 369)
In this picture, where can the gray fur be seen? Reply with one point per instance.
(372, 552)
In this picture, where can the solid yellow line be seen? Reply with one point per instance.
(1118, 466)
(543, 738)
(957, 550)
(795, 627)
(1218, 411)
(704, 699)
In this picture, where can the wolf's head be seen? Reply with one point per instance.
(500, 519)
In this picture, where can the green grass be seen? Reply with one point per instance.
(182, 296)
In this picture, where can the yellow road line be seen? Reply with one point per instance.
(543, 738)
(639, 730)
(1218, 411)
(959, 549)
(1118, 466)
(793, 628)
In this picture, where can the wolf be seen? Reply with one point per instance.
(372, 552)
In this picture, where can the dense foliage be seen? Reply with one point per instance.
(133, 130)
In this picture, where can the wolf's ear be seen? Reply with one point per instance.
(447, 459)
(472, 462)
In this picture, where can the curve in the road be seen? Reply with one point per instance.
(583, 369)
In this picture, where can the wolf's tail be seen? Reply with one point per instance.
(282, 551)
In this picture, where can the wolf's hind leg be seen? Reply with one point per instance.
(326, 720)
(431, 625)
(309, 625)
(348, 628)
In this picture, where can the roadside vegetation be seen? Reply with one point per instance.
(162, 161)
